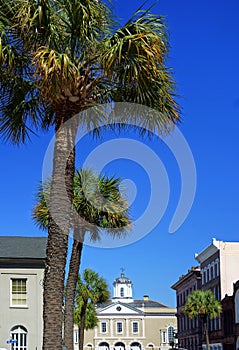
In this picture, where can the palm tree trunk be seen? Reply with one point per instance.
(82, 326)
(58, 230)
(70, 292)
(206, 335)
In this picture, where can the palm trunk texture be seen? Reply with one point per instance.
(82, 326)
(58, 230)
(70, 294)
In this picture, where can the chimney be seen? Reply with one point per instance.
(146, 297)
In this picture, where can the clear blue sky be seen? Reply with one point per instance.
(204, 56)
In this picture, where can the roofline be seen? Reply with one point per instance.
(21, 262)
(208, 251)
(185, 277)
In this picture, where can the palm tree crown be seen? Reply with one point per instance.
(203, 303)
(58, 58)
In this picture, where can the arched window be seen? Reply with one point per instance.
(122, 292)
(135, 346)
(212, 270)
(19, 334)
(119, 346)
(104, 346)
(237, 306)
(216, 268)
(170, 333)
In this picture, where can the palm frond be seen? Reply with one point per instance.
(134, 58)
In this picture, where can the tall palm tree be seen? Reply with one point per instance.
(203, 304)
(98, 206)
(57, 58)
(91, 288)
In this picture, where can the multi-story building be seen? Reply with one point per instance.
(189, 330)
(128, 324)
(219, 267)
(124, 323)
(219, 270)
(21, 276)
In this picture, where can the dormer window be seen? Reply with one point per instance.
(122, 292)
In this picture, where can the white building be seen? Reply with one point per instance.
(21, 291)
(219, 264)
(124, 323)
(128, 324)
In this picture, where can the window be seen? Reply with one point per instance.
(170, 333)
(212, 270)
(18, 292)
(135, 327)
(208, 274)
(76, 336)
(119, 327)
(216, 268)
(19, 334)
(103, 326)
(135, 346)
(163, 336)
(237, 306)
(122, 292)
(205, 275)
(202, 274)
(104, 346)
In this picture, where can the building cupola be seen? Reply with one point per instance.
(122, 289)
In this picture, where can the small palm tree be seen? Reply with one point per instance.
(203, 304)
(91, 319)
(97, 206)
(91, 289)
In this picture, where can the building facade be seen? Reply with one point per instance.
(128, 324)
(219, 271)
(189, 331)
(21, 275)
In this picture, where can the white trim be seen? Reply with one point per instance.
(22, 306)
(14, 332)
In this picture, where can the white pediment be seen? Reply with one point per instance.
(118, 309)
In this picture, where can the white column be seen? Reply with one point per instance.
(111, 328)
(127, 327)
(143, 325)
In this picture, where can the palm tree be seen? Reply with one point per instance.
(57, 58)
(91, 319)
(98, 205)
(93, 289)
(203, 303)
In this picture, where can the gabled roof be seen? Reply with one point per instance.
(19, 247)
(118, 309)
(145, 307)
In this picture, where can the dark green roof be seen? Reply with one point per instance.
(19, 247)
